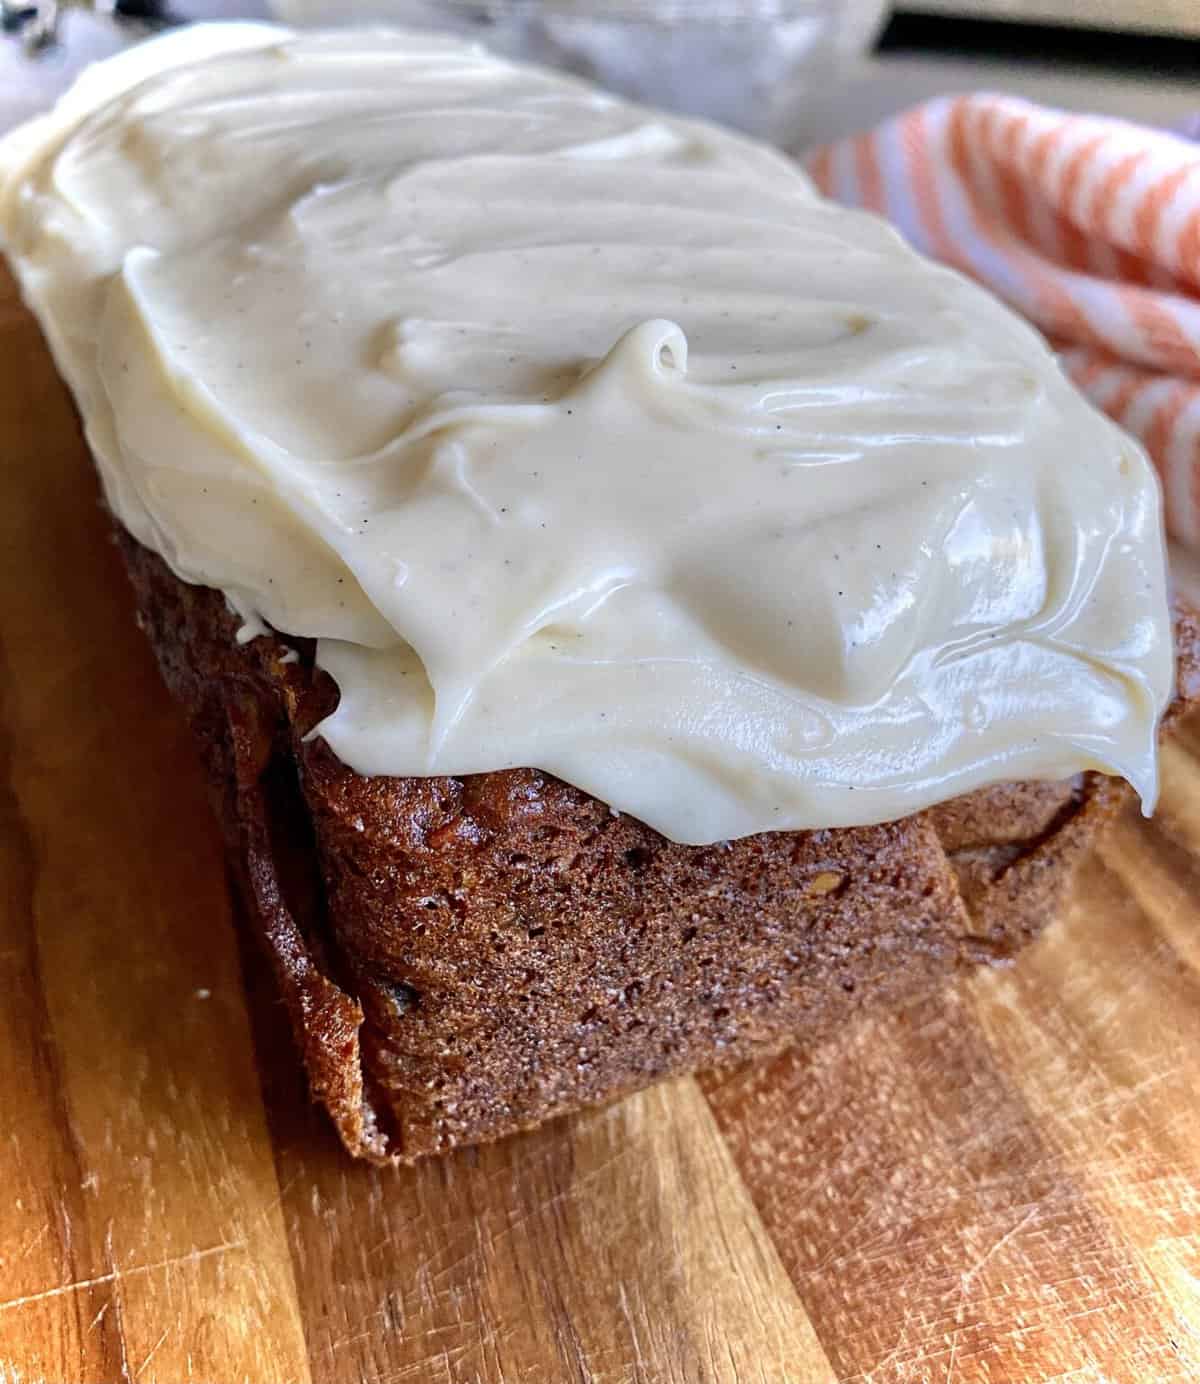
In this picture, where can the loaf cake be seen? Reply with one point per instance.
(465, 957)
(634, 615)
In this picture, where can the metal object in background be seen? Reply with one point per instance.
(38, 22)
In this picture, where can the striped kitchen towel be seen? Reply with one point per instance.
(1088, 226)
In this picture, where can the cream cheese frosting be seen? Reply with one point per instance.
(585, 438)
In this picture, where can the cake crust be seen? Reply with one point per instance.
(465, 957)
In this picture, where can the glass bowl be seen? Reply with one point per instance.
(754, 64)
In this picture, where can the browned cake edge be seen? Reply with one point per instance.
(462, 958)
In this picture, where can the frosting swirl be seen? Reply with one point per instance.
(585, 438)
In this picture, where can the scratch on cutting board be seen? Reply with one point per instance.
(192, 1257)
(970, 1275)
(33, 1244)
(953, 1357)
(631, 1323)
(343, 1341)
(153, 1349)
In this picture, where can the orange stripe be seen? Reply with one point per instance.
(1044, 146)
(985, 132)
(1102, 260)
(1163, 280)
(870, 181)
(1189, 247)
(964, 133)
(914, 139)
(1013, 192)
(957, 139)
(1166, 341)
(1053, 306)
(1075, 245)
(1104, 198)
(820, 170)
(1157, 436)
(1131, 268)
(1066, 249)
(1086, 374)
(1150, 210)
(959, 133)
(1127, 393)
(1065, 314)
(1099, 216)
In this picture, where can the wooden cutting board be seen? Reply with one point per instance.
(1003, 1185)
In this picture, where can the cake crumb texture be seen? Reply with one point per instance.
(465, 957)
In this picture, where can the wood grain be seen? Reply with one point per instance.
(1004, 1184)
(1001, 1185)
(150, 1242)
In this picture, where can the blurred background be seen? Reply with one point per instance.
(794, 71)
